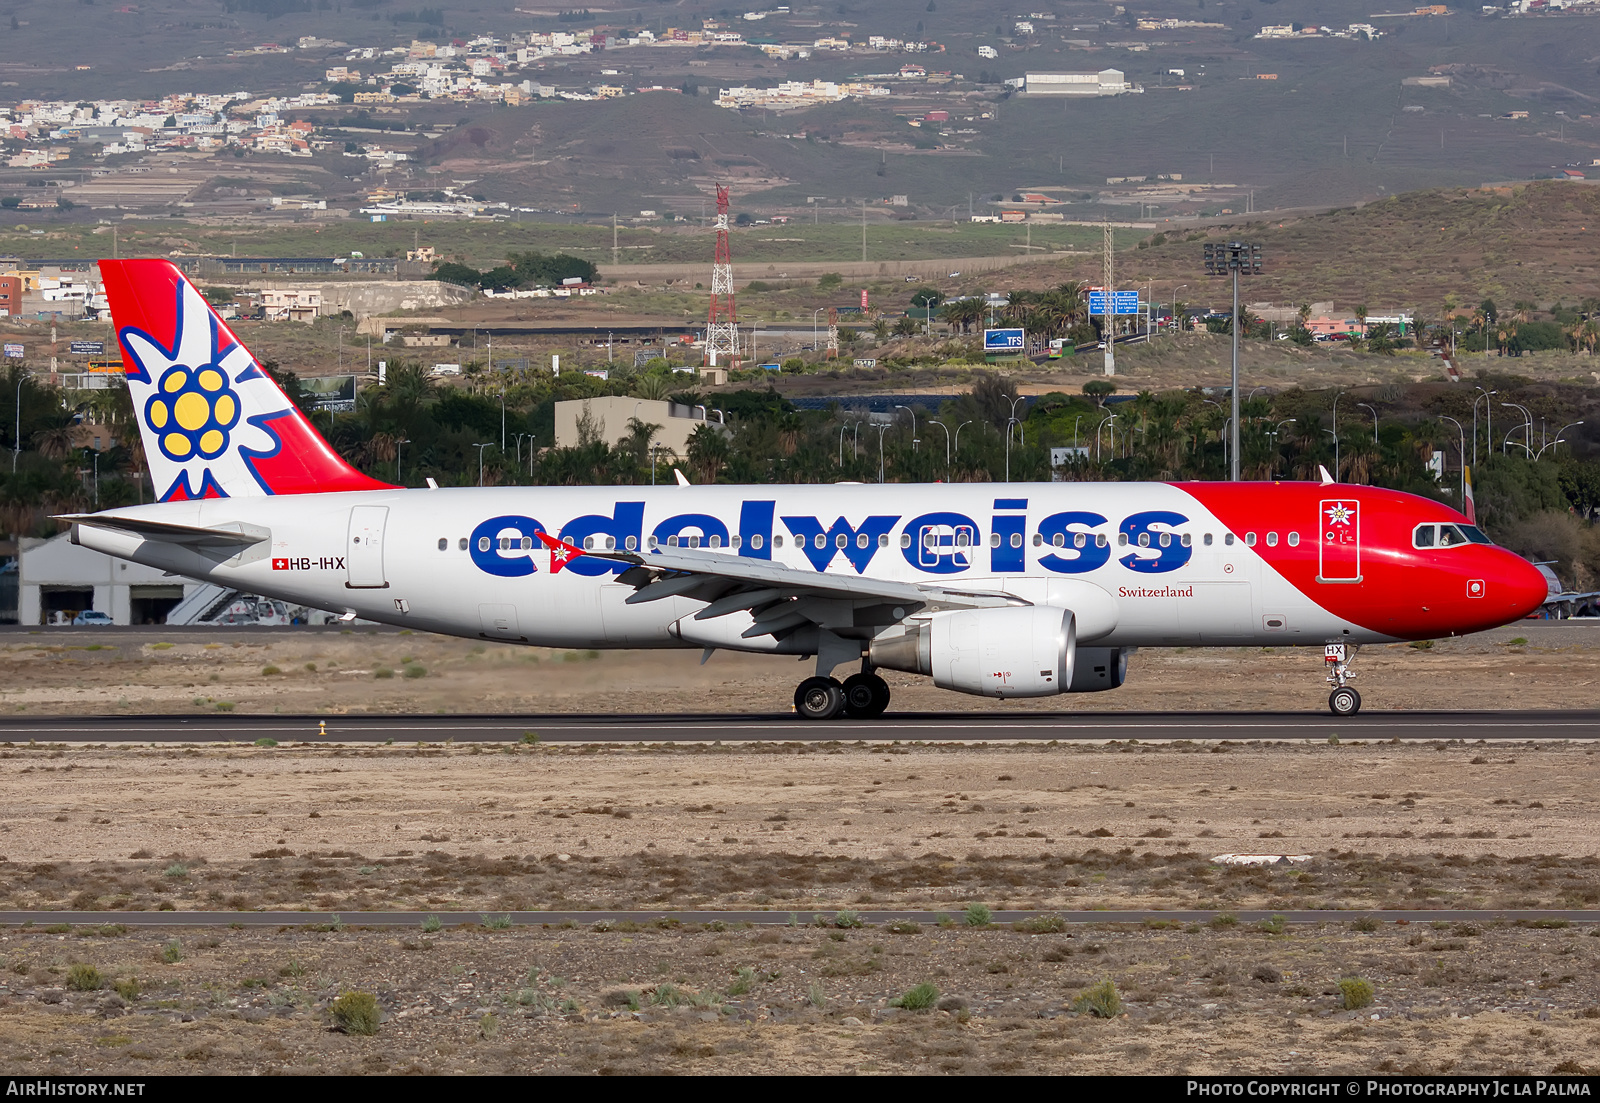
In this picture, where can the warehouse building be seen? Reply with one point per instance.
(1107, 82)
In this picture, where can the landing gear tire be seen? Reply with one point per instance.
(1344, 701)
(865, 696)
(819, 699)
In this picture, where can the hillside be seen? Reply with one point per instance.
(1537, 241)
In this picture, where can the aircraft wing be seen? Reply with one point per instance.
(779, 598)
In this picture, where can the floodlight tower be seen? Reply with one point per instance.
(1235, 257)
(722, 328)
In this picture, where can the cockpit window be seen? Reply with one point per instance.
(1447, 536)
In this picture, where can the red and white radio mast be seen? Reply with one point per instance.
(722, 330)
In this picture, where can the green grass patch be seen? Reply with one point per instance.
(356, 1013)
(919, 998)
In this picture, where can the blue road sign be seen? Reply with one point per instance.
(1127, 302)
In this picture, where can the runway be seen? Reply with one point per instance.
(870, 917)
(733, 728)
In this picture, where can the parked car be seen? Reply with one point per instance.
(91, 616)
(236, 620)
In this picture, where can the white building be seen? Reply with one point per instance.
(1107, 82)
(58, 577)
(608, 420)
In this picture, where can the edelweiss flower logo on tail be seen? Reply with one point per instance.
(205, 406)
(214, 425)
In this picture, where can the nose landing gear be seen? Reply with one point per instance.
(1344, 700)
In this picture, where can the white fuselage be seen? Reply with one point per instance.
(466, 562)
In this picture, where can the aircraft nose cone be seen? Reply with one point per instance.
(1523, 585)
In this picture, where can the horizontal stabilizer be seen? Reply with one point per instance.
(231, 534)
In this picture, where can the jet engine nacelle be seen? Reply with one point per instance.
(1024, 651)
(1098, 668)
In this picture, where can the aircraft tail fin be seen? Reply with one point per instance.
(214, 424)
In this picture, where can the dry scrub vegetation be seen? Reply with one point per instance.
(333, 672)
(1444, 998)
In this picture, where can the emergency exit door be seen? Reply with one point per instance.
(364, 548)
(1339, 540)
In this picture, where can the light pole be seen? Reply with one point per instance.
(16, 444)
(1010, 421)
(502, 419)
(842, 428)
(913, 414)
(1107, 420)
(1364, 406)
(1489, 417)
(1021, 429)
(881, 429)
(1462, 434)
(960, 427)
(946, 429)
(96, 457)
(480, 448)
(398, 445)
(1336, 399)
(1235, 257)
(1527, 435)
(1559, 440)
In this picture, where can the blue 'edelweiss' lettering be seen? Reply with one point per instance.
(705, 529)
(504, 545)
(1078, 549)
(1142, 532)
(933, 543)
(624, 524)
(941, 543)
(858, 544)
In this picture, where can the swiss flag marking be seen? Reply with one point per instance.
(280, 564)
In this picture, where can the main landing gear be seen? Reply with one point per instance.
(861, 697)
(1344, 700)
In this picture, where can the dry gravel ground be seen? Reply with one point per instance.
(332, 671)
(1459, 999)
(802, 828)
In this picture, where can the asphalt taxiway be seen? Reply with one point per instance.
(1373, 726)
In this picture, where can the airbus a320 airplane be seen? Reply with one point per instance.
(1016, 590)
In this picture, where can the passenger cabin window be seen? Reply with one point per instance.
(1228, 539)
(777, 541)
(444, 542)
(1187, 540)
(755, 541)
(1294, 539)
(462, 543)
(632, 543)
(1249, 539)
(1208, 540)
(1272, 539)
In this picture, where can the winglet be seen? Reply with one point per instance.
(561, 553)
(682, 479)
(1327, 479)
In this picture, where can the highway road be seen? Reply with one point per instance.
(777, 917)
(907, 727)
